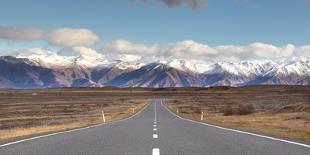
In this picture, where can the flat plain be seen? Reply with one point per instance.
(25, 113)
(280, 111)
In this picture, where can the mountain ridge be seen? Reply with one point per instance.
(81, 71)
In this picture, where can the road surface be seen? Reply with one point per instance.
(153, 131)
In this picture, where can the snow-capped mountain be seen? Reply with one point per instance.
(296, 71)
(45, 70)
(193, 66)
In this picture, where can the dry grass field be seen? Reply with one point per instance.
(26, 113)
(281, 111)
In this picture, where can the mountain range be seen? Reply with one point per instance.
(52, 70)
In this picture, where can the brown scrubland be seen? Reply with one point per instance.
(279, 111)
(25, 113)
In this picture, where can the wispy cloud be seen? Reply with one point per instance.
(20, 33)
(70, 37)
(304, 51)
(126, 47)
(79, 42)
(65, 37)
(194, 4)
(190, 49)
(195, 50)
(172, 3)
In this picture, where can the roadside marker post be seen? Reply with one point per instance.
(103, 118)
(201, 117)
(177, 110)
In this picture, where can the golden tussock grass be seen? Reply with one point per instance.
(281, 111)
(295, 126)
(23, 114)
(19, 132)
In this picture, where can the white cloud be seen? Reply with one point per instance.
(231, 52)
(69, 37)
(64, 52)
(73, 42)
(35, 51)
(29, 52)
(126, 47)
(255, 50)
(85, 51)
(267, 50)
(189, 48)
(20, 33)
(304, 51)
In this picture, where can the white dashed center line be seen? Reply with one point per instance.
(155, 151)
(155, 119)
(155, 135)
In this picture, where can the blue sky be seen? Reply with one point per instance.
(220, 22)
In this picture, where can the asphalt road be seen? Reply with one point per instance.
(154, 130)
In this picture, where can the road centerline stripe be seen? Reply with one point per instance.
(155, 117)
(155, 151)
(155, 136)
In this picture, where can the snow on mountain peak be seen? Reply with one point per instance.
(294, 66)
(187, 65)
(124, 61)
(246, 68)
(46, 58)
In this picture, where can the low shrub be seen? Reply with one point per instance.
(227, 111)
(245, 109)
(241, 109)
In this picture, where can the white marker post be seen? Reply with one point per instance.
(133, 110)
(103, 118)
(201, 117)
(177, 110)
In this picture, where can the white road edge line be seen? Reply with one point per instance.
(155, 136)
(238, 131)
(62, 132)
(155, 151)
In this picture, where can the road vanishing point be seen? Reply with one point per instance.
(154, 131)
